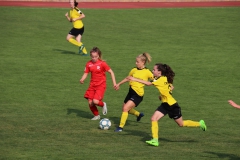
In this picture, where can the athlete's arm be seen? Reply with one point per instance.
(84, 76)
(139, 80)
(78, 18)
(232, 103)
(69, 19)
(112, 76)
(171, 86)
(118, 85)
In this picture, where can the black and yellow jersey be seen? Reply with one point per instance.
(143, 74)
(75, 13)
(164, 89)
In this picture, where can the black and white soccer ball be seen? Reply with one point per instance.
(105, 124)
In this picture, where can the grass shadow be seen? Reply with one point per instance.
(167, 140)
(65, 51)
(224, 155)
(79, 113)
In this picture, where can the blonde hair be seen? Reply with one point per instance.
(145, 57)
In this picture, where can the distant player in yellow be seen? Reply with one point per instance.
(163, 82)
(77, 31)
(136, 89)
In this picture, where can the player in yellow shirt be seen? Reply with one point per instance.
(136, 89)
(163, 82)
(77, 31)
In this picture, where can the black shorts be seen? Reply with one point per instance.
(75, 31)
(173, 111)
(133, 96)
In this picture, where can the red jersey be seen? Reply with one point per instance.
(97, 69)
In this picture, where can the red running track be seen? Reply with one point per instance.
(122, 5)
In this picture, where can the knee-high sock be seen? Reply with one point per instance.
(84, 50)
(100, 104)
(134, 112)
(189, 123)
(76, 43)
(155, 130)
(94, 110)
(123, 119)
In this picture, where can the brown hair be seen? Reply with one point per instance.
(166, 71)
(96, 49)
(75, 3)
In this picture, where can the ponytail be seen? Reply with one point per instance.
(145, 57)
(166, 71)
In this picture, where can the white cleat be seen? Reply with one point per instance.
(104, 109)
(96, 118)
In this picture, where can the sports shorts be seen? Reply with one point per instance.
(173, 111)
(133, 96)
(95, 92)
(75, 31)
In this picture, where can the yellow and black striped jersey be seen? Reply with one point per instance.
(75, 13)
(143, 74)
(164, 89)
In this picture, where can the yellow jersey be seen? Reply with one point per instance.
(164, 89)
(144, 74)
(75, 13)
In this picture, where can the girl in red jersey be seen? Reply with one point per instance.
(95, 92)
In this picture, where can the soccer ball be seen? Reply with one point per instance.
(105, 124)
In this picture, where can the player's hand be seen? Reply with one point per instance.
(81, 81)
(66, 14)
(130, 78)
(116, 87)
(233, 104)
(160, 98)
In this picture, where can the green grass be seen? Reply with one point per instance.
(43, 114)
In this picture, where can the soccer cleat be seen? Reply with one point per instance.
(80, 49)
(104, 109)
(203, 125)
(140, 116)
(153, 142)
(96, 117)
(118, 129)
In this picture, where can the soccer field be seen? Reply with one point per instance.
(43, 114)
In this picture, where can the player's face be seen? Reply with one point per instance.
(71, 3)
(94, 56)
(139, 63)
(156, 72)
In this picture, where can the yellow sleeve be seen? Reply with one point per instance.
(131, 72)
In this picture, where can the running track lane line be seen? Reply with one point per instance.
(122, 5)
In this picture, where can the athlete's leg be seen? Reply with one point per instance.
(93, 107)
(155, 117)
(70, 38)
(186, 123)
(190, 123)
(126, 107)
(136, 113)
(101, 104)
(82, 47)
